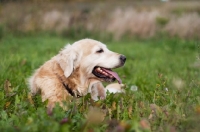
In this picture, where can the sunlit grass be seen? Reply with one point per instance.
(167, 97)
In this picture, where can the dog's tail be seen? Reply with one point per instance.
(32, 85)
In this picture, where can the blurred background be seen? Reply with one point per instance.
(104, 19)
(160, 39)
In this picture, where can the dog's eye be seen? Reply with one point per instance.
(100, 51)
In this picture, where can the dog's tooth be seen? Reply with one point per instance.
(99, 69)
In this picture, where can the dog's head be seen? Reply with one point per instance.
(92, 58)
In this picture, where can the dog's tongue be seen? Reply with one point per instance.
(114, 74)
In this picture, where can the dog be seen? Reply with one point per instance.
(75, 70)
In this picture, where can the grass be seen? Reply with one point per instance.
(167, 98)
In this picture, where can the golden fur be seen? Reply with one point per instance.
(70, 72)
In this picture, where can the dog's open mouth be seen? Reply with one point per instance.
(107, 74)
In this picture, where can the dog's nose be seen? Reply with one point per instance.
(122, 58)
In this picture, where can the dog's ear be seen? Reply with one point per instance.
(67, 59)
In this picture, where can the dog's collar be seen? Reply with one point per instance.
(69, 90)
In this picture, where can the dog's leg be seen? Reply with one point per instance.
(53, 91)
(115, 88)
(60, 101)
(97, 91)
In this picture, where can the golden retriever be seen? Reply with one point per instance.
(75, 71)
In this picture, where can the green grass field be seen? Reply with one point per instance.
(163, 69)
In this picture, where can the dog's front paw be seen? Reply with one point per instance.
(77, 94)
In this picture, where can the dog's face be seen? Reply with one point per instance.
(93, 59)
